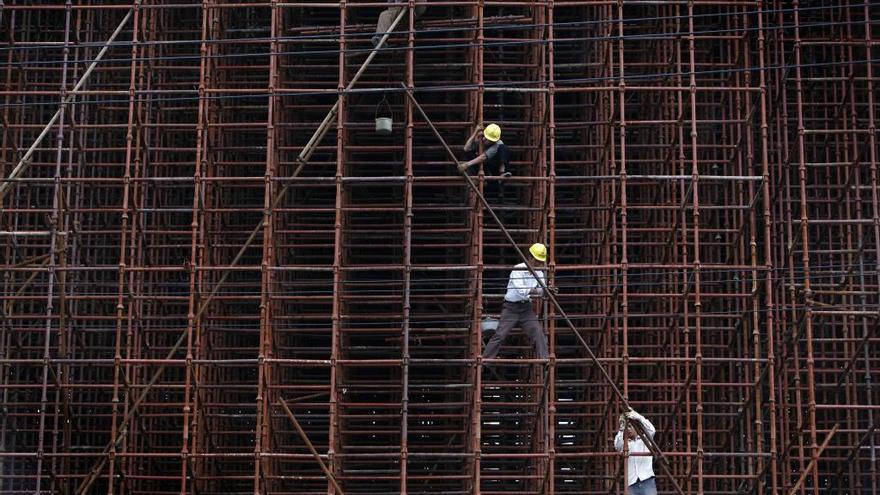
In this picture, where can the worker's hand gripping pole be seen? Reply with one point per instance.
(649, 442)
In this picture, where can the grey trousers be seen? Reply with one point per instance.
(388, 15)
(511, 314)
(645, 487)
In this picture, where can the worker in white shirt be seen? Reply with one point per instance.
(517, 308)
(639, 470)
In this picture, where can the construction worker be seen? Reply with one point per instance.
(495, 157)
(639, 470)
(517, 308)
(386, 18)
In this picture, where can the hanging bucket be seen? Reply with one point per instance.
(383, 125)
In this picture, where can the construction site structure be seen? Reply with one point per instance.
(218, 278)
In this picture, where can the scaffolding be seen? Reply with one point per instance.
(217, 278)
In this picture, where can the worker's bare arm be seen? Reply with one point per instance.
(470, 145)
(476, 161)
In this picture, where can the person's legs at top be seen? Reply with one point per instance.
(532, 328)
(509, 317)
(386, 18)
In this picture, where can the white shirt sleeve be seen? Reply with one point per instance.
(649, 427)
(618, 441)
(522, 282)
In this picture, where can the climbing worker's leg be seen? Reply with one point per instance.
(492, 192)
(509, 317)
(532, 328)
(384, 25)
(492, 189)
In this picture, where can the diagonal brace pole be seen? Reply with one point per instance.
(25, 160)
(311, 447)
(809, 468)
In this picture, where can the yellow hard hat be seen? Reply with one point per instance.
(539, 251)
(492, 132)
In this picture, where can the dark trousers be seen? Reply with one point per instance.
(494, 191)
(511, 314)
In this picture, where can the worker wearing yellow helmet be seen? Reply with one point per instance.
(517, 308)
(495, 156)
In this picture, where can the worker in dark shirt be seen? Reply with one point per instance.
(495, 157)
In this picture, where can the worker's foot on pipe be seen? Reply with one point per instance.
(505, 175)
